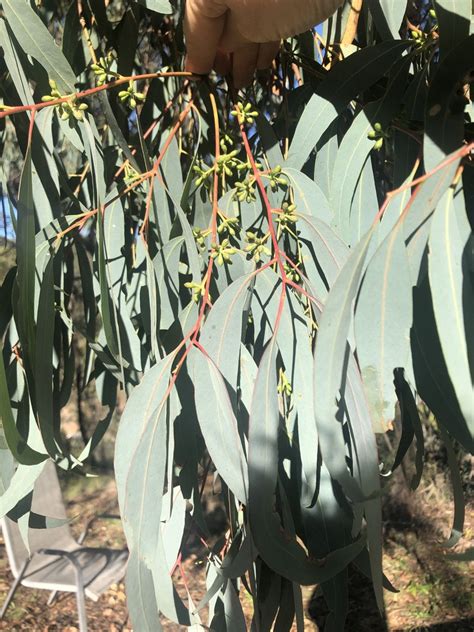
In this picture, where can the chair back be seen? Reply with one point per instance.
(47, 501)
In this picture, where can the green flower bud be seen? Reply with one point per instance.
(378, 144)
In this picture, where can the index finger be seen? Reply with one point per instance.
(204, 23)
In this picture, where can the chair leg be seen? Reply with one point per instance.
(80, 592)
(81, 601)
(52, 596)
(12, 591)
(81, 609)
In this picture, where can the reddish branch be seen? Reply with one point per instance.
(458, 155)
(279, 254)
(156, 166)
(35, 107)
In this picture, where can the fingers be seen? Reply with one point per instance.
(244, 65)
(204, 24)
(252, 57)
(223, 63)
(211, 34)
(271, 20)
(266, 54)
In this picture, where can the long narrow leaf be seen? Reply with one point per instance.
(35, 40)
(219, 425)
(453, 297)
(330, 365)
(382, 324)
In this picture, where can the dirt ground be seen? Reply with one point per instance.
(435, 594)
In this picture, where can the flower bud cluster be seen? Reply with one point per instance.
(222, 252)
(291, 273)
(246, 190)
(245, 114)
(284, 387)
(378, 135)
(130, 174)
(130, 96)
(229, 225)
(256, 246)
(276, 179)
(198, 289)
(226, 163)
(102, 69)
(200, 236)
(67, 110)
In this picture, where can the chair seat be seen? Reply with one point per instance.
(100, 567)
(87, 572)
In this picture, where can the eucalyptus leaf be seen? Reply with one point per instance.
(35, 40)
(384, 306)
(350, 77)
(160, 6)
(253, 283)
(218, 423)
(453, 298)
(330, 366)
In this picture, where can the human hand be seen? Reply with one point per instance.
(250, 29)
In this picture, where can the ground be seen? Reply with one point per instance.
(435, 594)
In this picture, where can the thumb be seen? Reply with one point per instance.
(204, 23)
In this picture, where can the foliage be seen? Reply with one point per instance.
(267, 276)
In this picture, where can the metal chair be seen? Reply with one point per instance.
(58, 562)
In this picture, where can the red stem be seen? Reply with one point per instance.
(271, 229)
(158, 161)
(35, 107)
(463, 151)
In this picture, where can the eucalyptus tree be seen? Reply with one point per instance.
(267, 276)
